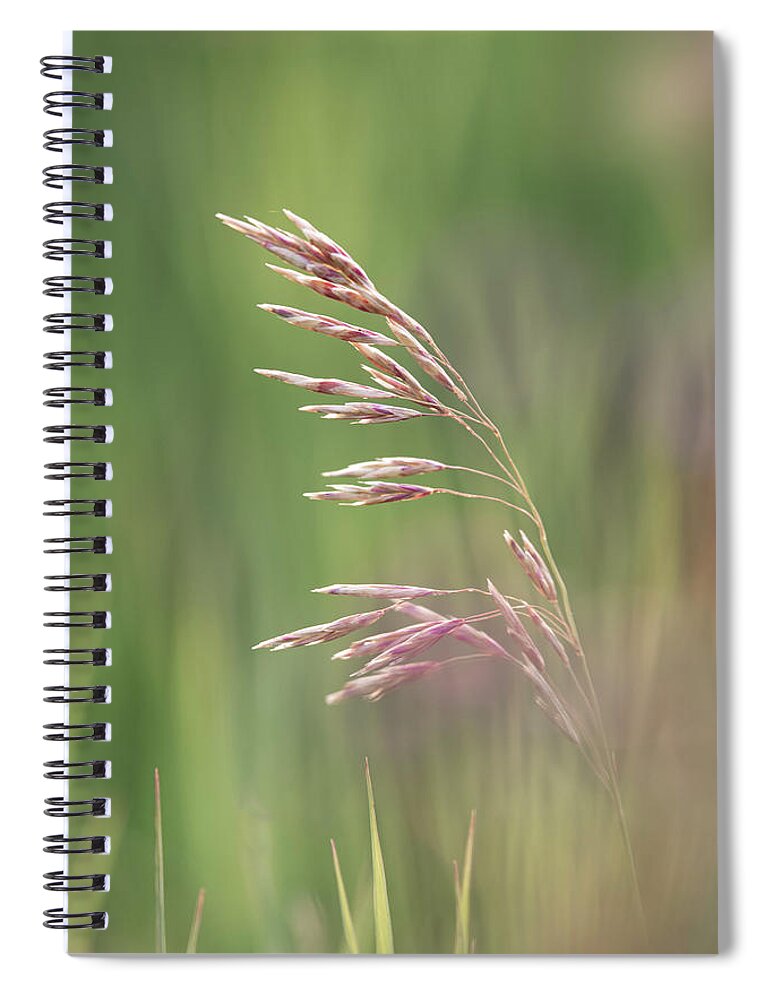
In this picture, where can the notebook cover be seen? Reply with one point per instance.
(510, 246)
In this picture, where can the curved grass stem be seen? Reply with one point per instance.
(588, 693)
(482, 496)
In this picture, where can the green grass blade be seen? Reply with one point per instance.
(160, 887)
(458, 949)
(463, 894)
(383, 931)
(351, 941)
(195, 928)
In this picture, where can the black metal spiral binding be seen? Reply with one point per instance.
(59, 249)
(95, 545)
(58, 211)
(58, 920)
(77, 771)
(77, 619)
(69, 322)
(61, 433)
(59, 844)
(71, 582)
(61, 732)
(74, 210)
(94, 657)
(58, 361)
(56, 102)
(60, 882)
(78, 470)
(84, 173)
(77, 508)
(56, 139)
(92, 694)
(60, 285)
(54, 66)
(66, 395)
(57, 806)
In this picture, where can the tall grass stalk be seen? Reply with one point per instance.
(383, 929)
(463, 944)
(160, 885)
(351, 940)
(195, 927)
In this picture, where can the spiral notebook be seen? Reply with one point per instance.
(382, 577)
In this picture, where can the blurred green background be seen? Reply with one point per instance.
(543, 203)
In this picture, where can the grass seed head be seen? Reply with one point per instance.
(326, 632)
(418, 642)
(516, 630)
(365, 300)
(327, 325)
(550, 636)
(374, 492)
(389, 468)
(378, 591)
(326, 386)
(371, 645)
(374, 686)
(533, 565)
(364, 413)
(466, 633)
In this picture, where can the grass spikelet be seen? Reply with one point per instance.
(364, 413)
(550, 636)
(515, 629)
(374, 492)
(326, 386)
(372, 686)
(316, 238)
(397, 377)
(388, 468)
(383, 930)
(474, 637)
(312, 635)
(378, 591)
(357, 298)
(326, 325)
(351, 941)
(374, 644)
(416, 642)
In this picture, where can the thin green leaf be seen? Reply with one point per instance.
(195, 928)
(351, 941)
(383, 931)
(458, 950)
(463, 894)
(160, 887)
